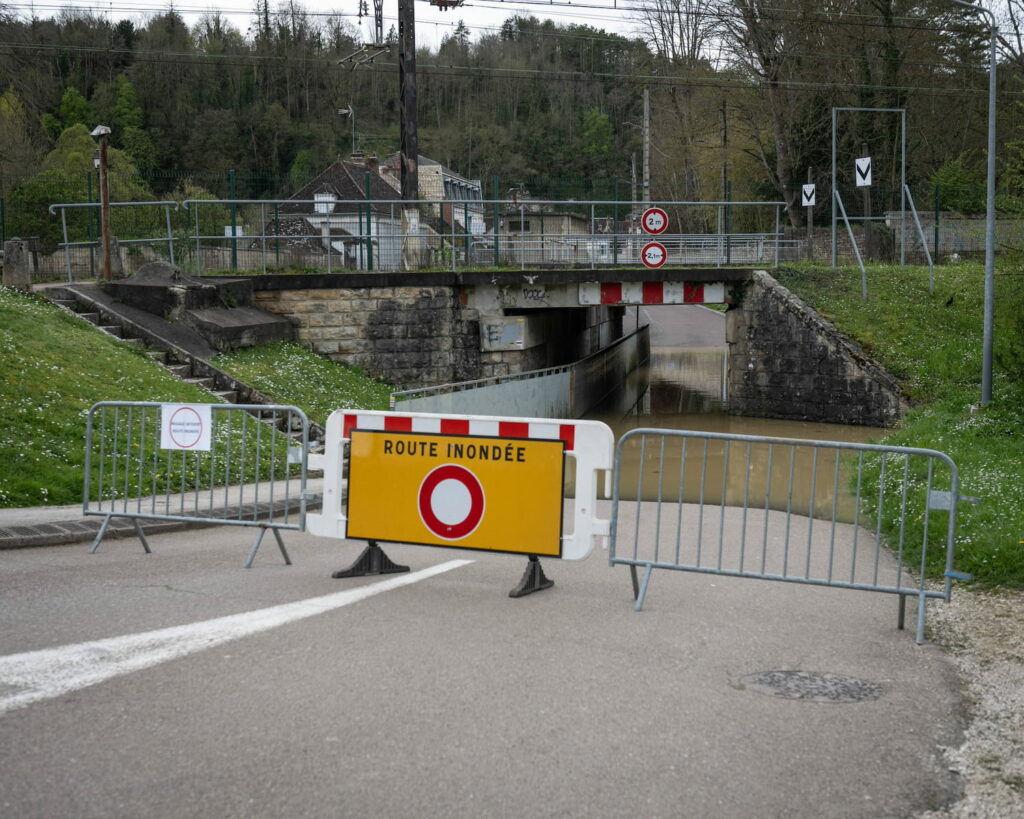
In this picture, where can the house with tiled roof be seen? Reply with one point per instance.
(447, 195)
(326, 215)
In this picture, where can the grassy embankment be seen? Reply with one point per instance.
(932, 343)
(54, 367)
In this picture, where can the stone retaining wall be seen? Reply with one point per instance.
(411, 336)
(421, 335)
(786, 361)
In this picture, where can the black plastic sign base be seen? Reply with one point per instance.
(533, 580)
(371, 561)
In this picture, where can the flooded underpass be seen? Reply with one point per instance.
(684, 388)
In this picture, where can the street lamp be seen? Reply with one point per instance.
(350, 112)
(102, 133)
(990, 209)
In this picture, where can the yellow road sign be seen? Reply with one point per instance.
(468, 492)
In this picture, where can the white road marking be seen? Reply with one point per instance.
(39, 675)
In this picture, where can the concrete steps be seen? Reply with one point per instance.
(108, 324)
(179, 363)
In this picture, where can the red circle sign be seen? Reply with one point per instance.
(654, 220)
(451, 502)
(185, 427)
(654, 254)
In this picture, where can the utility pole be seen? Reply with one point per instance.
(810, 220)
(869, 228)
(647, 148)
(350, 112)
(725, 149)
(102, 132)
(409, 172)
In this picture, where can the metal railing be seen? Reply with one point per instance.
(386, 235)
(92, 244)
(253, 474)
(565, 391)
(375, 234)
(825, 513)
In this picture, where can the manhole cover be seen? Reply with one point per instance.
(811, 687)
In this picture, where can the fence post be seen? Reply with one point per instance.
(728, 223)
(615, 226)
(234, 220)
(497, 219)
(938, 211)
(277, 235)
(199, 247)
(170, 233)
(369, 223)
(89, 222)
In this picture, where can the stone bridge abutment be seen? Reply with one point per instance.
(426, 329)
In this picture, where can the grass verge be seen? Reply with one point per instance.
(932, 342)
(293, 375)
(54, 367)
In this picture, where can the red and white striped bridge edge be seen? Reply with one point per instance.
(463, 425)
(652, 293)
(591, 444)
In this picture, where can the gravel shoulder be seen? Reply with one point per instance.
(984, 633)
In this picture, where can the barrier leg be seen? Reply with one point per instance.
(284, 551)
(103, 530)
(901, 617)
(142, 536)
(371, 561)
(636, 581)
(99, 535)
(921, 601)
(643, 588)
(533, 580)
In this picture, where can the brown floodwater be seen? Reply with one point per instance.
(682, 389)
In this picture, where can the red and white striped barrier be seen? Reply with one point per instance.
(591, 443)
(462, 425)
(652, 293)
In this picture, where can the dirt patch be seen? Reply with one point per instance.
(984, 633)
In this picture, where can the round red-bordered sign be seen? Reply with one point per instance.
(185, 439)
(654, 221)
(451, 502)
(654, 254)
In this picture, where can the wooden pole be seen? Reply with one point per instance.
(409, 171)
(104, 206)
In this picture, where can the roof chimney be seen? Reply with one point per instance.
(373, 163)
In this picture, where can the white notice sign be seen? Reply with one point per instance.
(807, 200)
(185, 426)
(863, 172)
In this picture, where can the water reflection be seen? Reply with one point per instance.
(682, 389)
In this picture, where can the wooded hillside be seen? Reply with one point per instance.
(742, 93)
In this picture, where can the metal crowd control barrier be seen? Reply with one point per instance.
(798, 511)
(233, 464)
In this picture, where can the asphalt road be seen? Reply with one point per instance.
(436, 695)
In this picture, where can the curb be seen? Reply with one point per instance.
(85, 529)
(80, 531)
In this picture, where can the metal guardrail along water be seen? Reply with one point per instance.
(798, 511)
(253, 473)
(565, 391)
